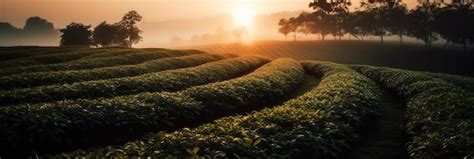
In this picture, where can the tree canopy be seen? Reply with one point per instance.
(428, 22)
(76, 34)
(124, 33)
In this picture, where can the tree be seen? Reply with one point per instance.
(397, 15)
(377, 9)
(132, 32)
(38, 25)
(319, 22)
(422, 22)
(104, 34)
(288, 26)
(331, 15)
(454, 23)
(284, 27)
(76, 34)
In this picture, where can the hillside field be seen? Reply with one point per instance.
(267, 100)
(391, 54)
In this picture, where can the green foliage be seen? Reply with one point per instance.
(16, 52)
(171, 80)
(130, 30)
(63, 77)
(66, 125)
(319, 124)
(112, 57)
(76, 34)
(440, 114)
(466, 83)
(49, 58)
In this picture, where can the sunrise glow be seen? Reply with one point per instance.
(243, 17)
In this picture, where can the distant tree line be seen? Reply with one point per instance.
(36, 30)
(123, 34)
(428, 21)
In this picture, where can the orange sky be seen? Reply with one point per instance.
(168, 22)
(61, 12)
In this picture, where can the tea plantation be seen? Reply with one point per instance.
(158, 103)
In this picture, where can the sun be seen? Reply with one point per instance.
(243, 17)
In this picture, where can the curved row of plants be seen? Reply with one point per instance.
(11, 53)
(127, 58)
(320, 124)
(50, 58)
(69, 125)
(466, 83)
(440, 114)
(171, 80)
(63, 77)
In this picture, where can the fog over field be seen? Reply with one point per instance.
(166, 23)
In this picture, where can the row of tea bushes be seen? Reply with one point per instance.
(440, 114)
(466, 83)
(63, 77)
(320, 124)
(67, 125)
(11, 53)
(171, 80)
(50, 58)
(131, 57)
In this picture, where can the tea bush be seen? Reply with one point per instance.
(63, 77)
(171, 80)
(129, 57)
(66, 125)
(319, 124)
(440, 114)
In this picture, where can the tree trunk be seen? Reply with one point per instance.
(401, 39)
(381, 38)
(130, 40)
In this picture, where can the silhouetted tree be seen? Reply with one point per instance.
(38, 25)
(128, 23)
(422, 24)
(76, 34)
(377, 10)
(397, 19)
(284, 27)
(331, 15)
(294, 24)
(104, 34)
(6, 29)
(288, 26)
(454, 23)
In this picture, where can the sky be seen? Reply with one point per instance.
(205, 17)
(61, 12)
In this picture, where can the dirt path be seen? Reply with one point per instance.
(386, 138)
(309, 83)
